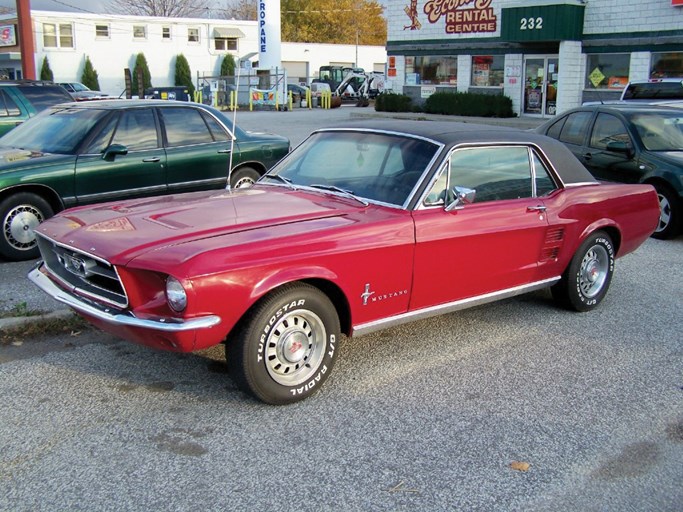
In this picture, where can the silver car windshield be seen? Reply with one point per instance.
(379, 167)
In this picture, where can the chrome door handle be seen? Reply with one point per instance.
(224, 151)
(539, 208)
(152, 159)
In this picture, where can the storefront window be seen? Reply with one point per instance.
(667, 65)
(607, 70)
(487, 70)
(431, 70)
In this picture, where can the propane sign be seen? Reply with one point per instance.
(269, 33)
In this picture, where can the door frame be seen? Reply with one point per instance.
(545, 111)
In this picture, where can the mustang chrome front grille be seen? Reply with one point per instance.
(83, 273)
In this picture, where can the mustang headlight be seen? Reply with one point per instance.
(175, 294)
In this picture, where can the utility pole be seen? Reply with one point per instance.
(26, 47)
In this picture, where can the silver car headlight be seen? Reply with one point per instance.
(175, 294)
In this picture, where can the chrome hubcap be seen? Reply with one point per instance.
(664, 213)
(19, 224)
(594, 270)
(295, 347)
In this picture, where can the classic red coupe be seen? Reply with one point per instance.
(361, 227)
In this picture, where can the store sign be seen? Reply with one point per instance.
(426, 92)
(460, 16)
(676, 2)
(558, 22)
(8, 35)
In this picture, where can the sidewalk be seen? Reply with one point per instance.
(522, 123)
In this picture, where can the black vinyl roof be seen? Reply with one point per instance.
(453, 134)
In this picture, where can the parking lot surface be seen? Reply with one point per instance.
(513, 406)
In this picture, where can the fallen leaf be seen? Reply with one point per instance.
(75, 333)
(17, 343)
(520, 466)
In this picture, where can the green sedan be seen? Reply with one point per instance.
(83, 153)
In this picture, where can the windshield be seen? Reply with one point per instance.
(660, 131)
(53, 131)
(378, 167)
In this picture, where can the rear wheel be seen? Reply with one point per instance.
(585, 282)
(669, 213)
(286, 346)
(243, 177)
(20, 214)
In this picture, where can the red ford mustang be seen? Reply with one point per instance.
(360, 228)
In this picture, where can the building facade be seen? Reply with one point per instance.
(112, 43)
(546, 55)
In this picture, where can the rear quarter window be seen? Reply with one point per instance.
(575, 128)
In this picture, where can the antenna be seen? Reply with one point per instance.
(234, 124)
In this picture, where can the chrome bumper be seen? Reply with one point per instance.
(113, 316)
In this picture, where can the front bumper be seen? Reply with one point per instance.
(114, 316)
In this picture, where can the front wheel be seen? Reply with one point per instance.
(286, 346)
(243, 177)
(585, 282)
(669, 214)
(20, 214)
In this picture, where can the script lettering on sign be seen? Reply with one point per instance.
(462, 16)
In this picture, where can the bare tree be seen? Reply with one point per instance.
(239, 10)
(163, 8)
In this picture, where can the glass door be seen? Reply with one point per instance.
(540, 85)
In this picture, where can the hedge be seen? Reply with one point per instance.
(469, 104)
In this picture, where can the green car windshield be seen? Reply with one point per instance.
(660, 131)
(57, 131)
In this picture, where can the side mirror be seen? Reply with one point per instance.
(462, 196)
(618, 146)
(113, 150)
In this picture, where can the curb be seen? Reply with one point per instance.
(522, 123)
(21, 321)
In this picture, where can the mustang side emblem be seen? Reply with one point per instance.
(366, 294)
(382, 296)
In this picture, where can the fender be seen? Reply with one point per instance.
(291, 274)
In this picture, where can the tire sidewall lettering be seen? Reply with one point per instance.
(607, 244)
(313, 381)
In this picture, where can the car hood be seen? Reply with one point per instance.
(13, 158)
(12, 155)
(120, 231)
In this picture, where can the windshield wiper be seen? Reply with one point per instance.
(343, 191)
(279, 178)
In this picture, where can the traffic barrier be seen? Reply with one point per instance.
(326, 99)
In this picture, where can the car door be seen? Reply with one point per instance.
(610, 153)
(124, 159)
(495, 243)
(197, 149)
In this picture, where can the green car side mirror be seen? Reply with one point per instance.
(113, 150)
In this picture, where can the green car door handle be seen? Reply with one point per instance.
(224, 151)
(153, 159)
